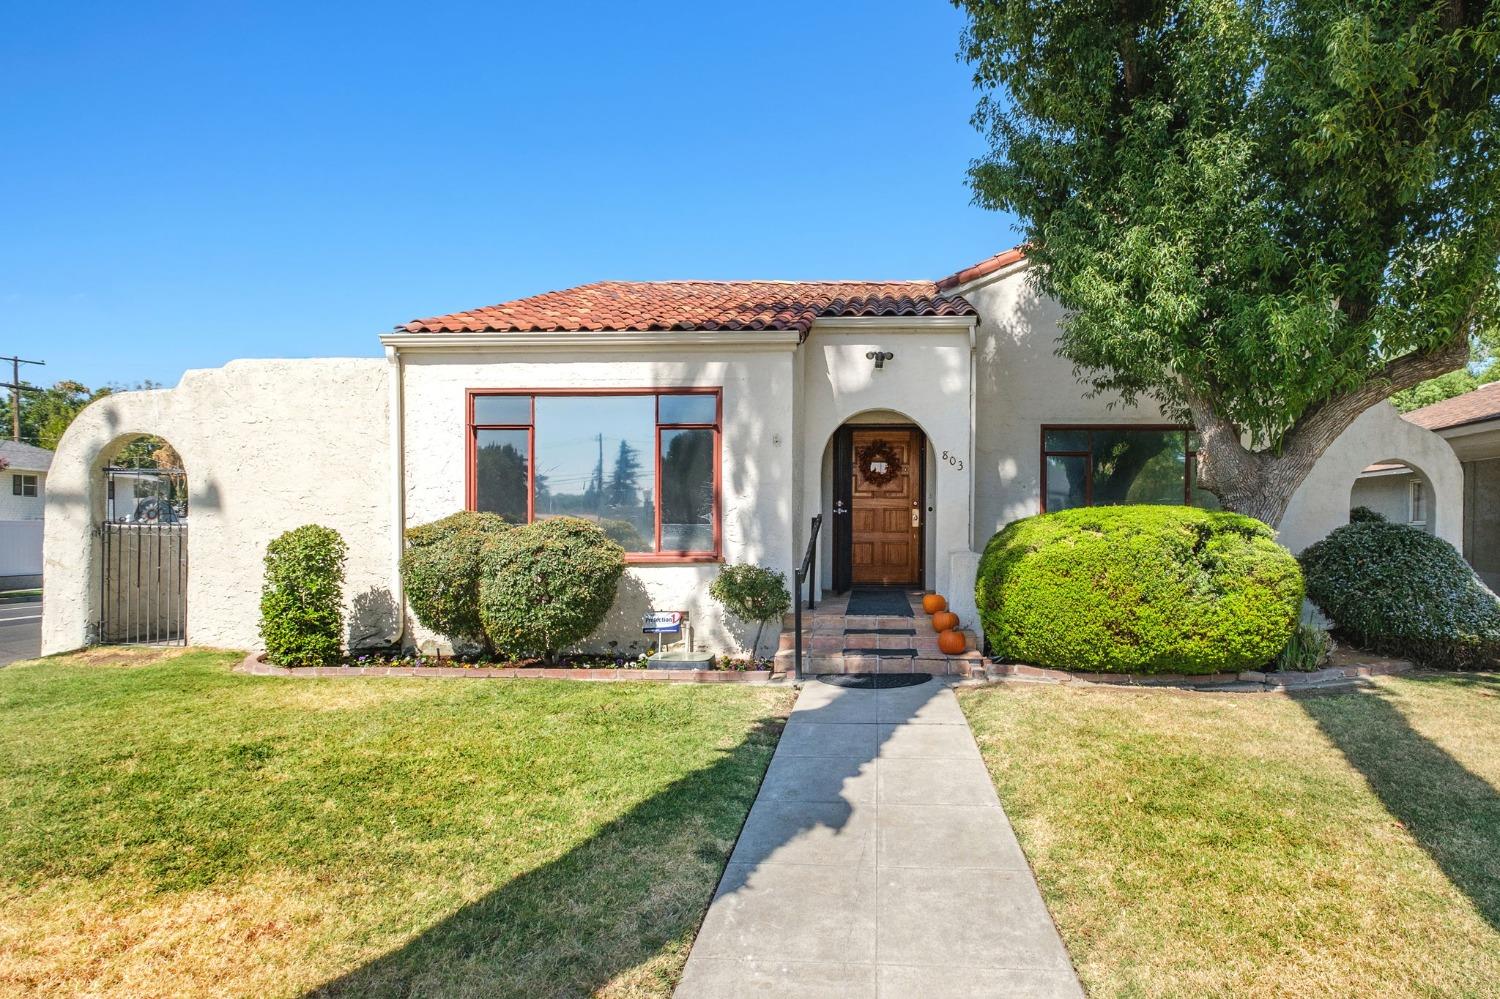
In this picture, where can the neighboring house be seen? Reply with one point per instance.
(699, 422)
(1470, 423)
(23, 497)
(1396, 492)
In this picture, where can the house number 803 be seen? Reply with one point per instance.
(953, 460)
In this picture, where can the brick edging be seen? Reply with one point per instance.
(255, 665)
(1343, 675)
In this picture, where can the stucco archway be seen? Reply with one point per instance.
(1397, 490)
(268, 446)
(930, 501)
(143, 540)
(1379, 436)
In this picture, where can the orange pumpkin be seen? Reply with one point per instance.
(951, 642)
(932, 603)
(944, 621)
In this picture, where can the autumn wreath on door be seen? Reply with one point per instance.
(878, 463)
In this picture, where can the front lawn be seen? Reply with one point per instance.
(168, 827)
(1261, 845)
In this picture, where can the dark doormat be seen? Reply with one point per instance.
(884, 601)
(874, 681)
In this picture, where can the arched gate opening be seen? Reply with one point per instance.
(143, 539)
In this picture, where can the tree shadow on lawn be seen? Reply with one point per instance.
(611, 903)
(1453, 814)
(636, 888)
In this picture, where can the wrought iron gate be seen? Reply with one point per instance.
(144, 563)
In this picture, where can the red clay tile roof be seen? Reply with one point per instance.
(987, 266)
(699, 305)
(1472, 407)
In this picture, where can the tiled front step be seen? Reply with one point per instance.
(859, 650)
(970, 664)
(925, 642)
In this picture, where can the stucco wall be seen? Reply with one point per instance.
(267, 446)
(1022, 384)
(758, 447)
(927, 383)
(13, 507)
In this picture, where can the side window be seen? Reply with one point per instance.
(22, 485)
(1418, 503)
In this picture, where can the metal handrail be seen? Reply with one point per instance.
(808, 570)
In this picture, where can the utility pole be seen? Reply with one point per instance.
(16, 387)
(599, 478)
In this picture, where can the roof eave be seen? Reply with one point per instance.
(607, 340)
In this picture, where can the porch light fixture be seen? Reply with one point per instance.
(880, 357)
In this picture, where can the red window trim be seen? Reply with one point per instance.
(1190, 472)
(471, 486)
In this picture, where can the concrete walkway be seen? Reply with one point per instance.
(877, 861)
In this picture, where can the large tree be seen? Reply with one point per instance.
(1263, 216)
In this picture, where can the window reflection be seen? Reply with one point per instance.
(641, 466)
(592, 461)
(1106, 466)
(687, 490)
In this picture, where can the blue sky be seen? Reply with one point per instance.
(185, 184)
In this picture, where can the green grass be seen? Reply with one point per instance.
(1261, 845)
(168, 827)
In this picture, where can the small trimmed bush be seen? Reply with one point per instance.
(1363, 514)
(302, 600)
(441, 569)
(1139, 589)
(1394, 589)
(752, 593)
(547, 585)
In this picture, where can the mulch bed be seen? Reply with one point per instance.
(255, 664)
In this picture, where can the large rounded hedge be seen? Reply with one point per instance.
(1394, 589)
(547, 585)
(1139, 589)
(441, 569)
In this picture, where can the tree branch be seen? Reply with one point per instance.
(1318, 427)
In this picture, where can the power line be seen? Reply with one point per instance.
(16, 387)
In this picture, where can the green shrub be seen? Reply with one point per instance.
(1363, 514)
(302, 601)
(752, 593)
(1305, 650)
(1138, 589)
(1394, 589)
(547, 585)
(441, 569)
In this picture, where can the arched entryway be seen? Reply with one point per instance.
(143, 544)
(1396, 491)
(878, 502)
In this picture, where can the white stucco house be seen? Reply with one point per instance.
(700, 422)
(23, 497)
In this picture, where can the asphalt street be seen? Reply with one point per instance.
(20, 631)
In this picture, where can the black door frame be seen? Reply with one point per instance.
(843, 501)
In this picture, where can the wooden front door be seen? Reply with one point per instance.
(885, 546)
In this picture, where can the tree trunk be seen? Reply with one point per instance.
(1261, 484)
